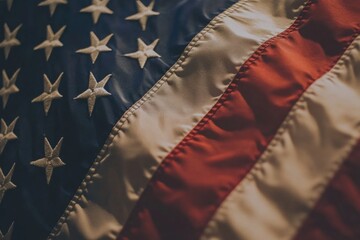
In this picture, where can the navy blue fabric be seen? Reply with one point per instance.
(34, 205)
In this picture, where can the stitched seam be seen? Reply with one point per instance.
(117, 128)
(275, 141)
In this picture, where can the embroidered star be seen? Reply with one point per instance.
(97, 8)
(9, 5)
(5, 182)
(9, 86)
(7, 133)
(10, 39)
(52, 4)
(96, 46)
(144, 52)
(51, 92)
(96, 89)
(52, 41)
(143, 13)
(8, 235)
(51, 159)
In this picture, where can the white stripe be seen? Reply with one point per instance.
(160, 120)
(318, 134)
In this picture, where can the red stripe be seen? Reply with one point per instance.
(197, 176)
(337, 214)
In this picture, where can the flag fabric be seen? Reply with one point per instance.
(181, 120)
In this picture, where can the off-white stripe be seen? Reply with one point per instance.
(160, 120)
(279, 192)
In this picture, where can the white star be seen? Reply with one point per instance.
(10, 39)
(51, 92)
(5, 182)
(9, 5)
(144, 52)
(8, 235)
(52, 41)
(143, 13)
(51, 159)
(96, 46)
(52, 4)
(9, 86)
(7, 133)
(96, 89)
(97, 8)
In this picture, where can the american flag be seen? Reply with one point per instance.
(180, 119)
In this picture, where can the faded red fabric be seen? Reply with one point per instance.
(207, 165)
(336, 215)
